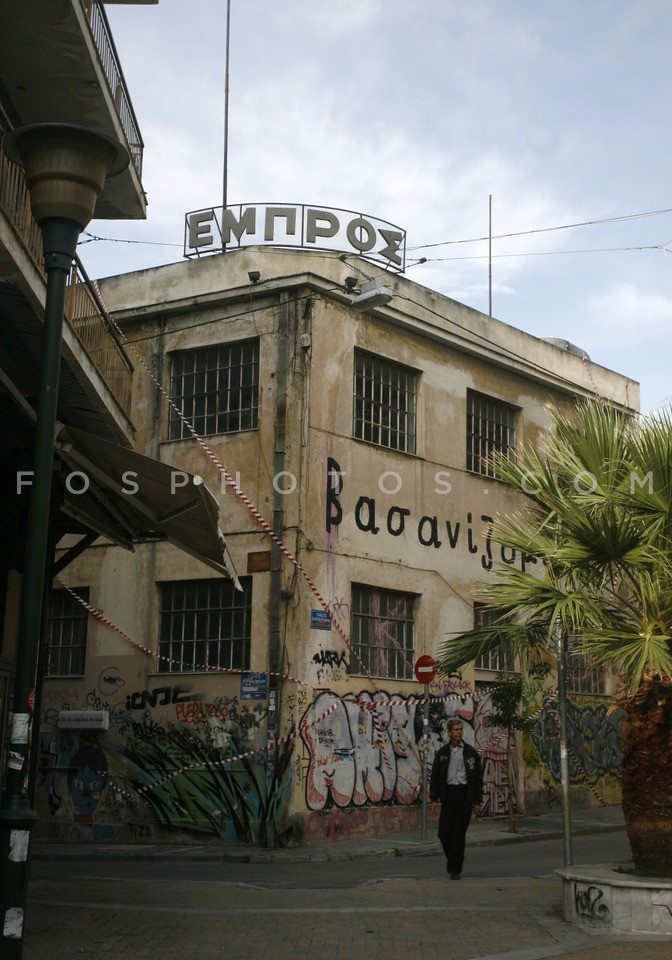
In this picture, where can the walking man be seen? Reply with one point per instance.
(457, 782)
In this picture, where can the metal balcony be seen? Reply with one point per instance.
(59, 64)
(84, 314)
(109, 60)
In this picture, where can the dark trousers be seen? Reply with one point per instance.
(454, 818)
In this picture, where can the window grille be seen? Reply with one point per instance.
(384, 407)
(491, 428)
(205, 625)
(494, 660)
(68, 621)
(584, 675)
(216, 388)
(381, 638)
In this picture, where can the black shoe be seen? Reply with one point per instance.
(456, 876)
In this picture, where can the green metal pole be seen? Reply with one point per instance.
(16, 814)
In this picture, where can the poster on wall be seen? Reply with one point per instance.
(254, 686)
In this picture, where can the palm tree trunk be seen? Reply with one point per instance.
(647, 777)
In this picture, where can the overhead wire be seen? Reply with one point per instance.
(564, 226)
(236, 316)
(442, 243)
(473, 334)
(541, 253)
(421, 260)
(495, 348)
(146, 243)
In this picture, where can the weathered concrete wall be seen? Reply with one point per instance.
(353, 512)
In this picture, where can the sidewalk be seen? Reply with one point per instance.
(488, 831)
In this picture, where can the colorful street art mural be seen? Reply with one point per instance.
(594, 740)
(171, 761)
(367, 748)
(360, 756)
(178, 761)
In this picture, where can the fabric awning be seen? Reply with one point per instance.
(128, 497)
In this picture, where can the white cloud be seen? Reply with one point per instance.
(415, 111)
(626, 312)
(342, 16)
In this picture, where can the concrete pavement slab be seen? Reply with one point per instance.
(517, 919)
(495, 919)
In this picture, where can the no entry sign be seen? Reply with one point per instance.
(425, 669)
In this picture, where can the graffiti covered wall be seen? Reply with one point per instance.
(366, 750)
(594, 748)
(175, 759)
(594, 744)
(179, 761)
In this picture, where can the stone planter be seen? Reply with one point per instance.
(601, 898)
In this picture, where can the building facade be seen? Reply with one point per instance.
(347, 446)
(59, 65)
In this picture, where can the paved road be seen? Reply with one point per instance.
(389, 908)
(519, 860)
(394, 918)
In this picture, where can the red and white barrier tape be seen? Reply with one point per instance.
(263, 523)
(157, 656)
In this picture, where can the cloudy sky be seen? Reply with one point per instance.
(416, 112)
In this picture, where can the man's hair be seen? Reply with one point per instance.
(453, 722)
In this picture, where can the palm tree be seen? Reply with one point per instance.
(598, 517)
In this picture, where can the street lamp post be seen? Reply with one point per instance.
(65, 167)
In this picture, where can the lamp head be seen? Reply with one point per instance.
(372, 294)
(65, 166)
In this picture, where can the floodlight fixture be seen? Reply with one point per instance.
(372, 294)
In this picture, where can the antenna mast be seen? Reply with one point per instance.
(490, 255)
(225, 186)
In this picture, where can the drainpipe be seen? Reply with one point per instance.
(274, 645)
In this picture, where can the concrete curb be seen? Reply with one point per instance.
(338, 851)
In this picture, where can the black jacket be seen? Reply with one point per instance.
(439, 776)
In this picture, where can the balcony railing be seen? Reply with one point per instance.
(109, 60)
(83, 310)
(98, 337)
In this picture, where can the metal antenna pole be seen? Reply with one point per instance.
(490, 255)
(225, 185)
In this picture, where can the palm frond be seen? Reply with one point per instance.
(635, 654)
(598, 519)
(511, 639)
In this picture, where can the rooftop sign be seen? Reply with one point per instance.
(294, 225)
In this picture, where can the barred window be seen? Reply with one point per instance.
(384, 407)
(584, 675)
(381, 639)
(491, 428)
(216, 388)
(68, 620)
(494, 660)
(205, 625)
